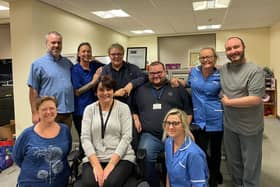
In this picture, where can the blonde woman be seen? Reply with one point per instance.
(185, 162)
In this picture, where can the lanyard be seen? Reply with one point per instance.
(158, 96)
(103, 125)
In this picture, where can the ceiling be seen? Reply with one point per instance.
(172, 17)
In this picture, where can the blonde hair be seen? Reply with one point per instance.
(183, 118)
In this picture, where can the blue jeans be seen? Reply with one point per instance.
(153, 147)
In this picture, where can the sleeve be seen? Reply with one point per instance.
(126, 130)
(86, 132)
(256, 85)
(197, 169)
(34, 77)
(19, 148)
(141, 77)
(69, 137)
(133, 104)
(75, 76)
(188, 81)
(186, 100)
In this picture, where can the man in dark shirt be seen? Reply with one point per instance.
(127, 76)
(151, 102)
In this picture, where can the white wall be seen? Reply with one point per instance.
(5, 44)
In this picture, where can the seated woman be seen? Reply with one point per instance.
(41, 150)
(106, 136)
(185, 162)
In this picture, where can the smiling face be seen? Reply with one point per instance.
(116, 57)
(84, 53)
(173, 126)
(235, 50)
(207, 58)
(47, 111)
(157, 75)
(105, 95)
(54, 44)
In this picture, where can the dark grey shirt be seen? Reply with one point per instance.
(151, 117)
(240, 80)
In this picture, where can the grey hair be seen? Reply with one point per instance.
(52, 32)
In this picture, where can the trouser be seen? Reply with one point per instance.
(65, 118)
(78, 125)
(153, 147)
(213, 141)
(244, 157)
(116, 178)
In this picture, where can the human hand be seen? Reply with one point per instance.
(137, 123)
(97, 74)
(225, 100)
(174, 82)
(120, 92)
(35, 118)
(98, 175)
(128, 88)
(108, 169)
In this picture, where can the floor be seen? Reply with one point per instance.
(270, 176)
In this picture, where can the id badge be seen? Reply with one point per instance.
(157, 106)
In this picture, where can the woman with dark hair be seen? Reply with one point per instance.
(41, 150)
(84, 76)
(106, 137)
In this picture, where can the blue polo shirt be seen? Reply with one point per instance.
(187, 167)
(207, 107)
(52, 77)
(81, 77)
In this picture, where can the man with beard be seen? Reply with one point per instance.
(50, 75)
(242, 87)
(151, 102)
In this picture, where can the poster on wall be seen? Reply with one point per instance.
(137, 56)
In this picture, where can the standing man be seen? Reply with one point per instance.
(243, 87)
(151, 103)
(50, 75)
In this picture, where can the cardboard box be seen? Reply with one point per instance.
(5, 132)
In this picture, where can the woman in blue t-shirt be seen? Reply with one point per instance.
(185, 161)
(41, 150)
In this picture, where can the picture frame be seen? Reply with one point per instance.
(137, 56)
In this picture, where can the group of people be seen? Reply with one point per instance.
(118, 109)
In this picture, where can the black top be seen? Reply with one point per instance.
(152, 104)
(127, 73)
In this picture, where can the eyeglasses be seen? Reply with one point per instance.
(116, 54)
(155, 73)
(173, 123)
(202, 58)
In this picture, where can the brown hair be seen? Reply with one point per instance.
(154, 63)
(40, 100)
(107, 82)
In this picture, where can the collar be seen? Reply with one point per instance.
(124, 66)
(187, 143)
(49, 55)
(163, 85)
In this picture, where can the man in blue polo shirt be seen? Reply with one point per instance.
(50, 76)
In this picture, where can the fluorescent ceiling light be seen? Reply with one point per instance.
(147, 31)
(211, 4)
(208, 27)
(3, 8)
(111, 14)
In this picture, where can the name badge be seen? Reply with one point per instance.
(157, 106)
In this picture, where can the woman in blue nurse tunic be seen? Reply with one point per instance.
(185, 162)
